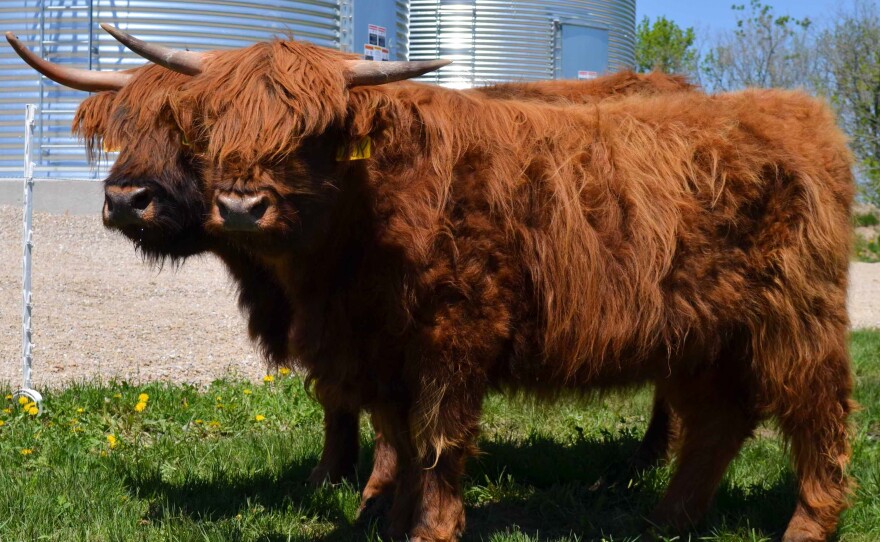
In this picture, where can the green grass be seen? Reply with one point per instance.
(865, 219)
(196, 464)
(866, 251)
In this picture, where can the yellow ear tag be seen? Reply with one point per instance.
(361, 151)
(183, 140)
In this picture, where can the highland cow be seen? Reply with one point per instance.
(700, 243)
(153, 197)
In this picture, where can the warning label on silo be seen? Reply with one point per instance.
(374, 52)
(377, 35)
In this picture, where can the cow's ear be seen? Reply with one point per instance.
(91, 122)
(369, 72)
(369, 113)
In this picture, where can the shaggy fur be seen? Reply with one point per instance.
(152, 155)
(699, 243)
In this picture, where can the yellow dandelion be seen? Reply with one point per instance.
(199, 422)
(140, 407)
(7, 411)
(80, 410)
(284, 371)
(268, 378)
(259, 417)
(143, 398)
(117, 396)
(2, 423)
(8, 396)
(214, 424)
(33, 411)
(26, 451)
(23, 400)
(247, 392)
(112, 441)
(218, 407)
(218, 398)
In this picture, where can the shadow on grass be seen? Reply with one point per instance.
(587, 488)
(225, 494)
(584, 487)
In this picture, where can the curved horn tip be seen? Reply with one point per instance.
(366, 72)
(185, 62)
(109, 28)
(113, 31)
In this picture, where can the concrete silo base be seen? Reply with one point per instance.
(57, 197)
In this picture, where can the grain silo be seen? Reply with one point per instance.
(517, 40)
(67, 32)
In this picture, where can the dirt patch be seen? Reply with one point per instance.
(101, 313)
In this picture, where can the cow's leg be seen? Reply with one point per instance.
(428, 503)
(662, 429)
(814, 419)
(339, 458)
(715, 422)
(378, 494)
(438, 511)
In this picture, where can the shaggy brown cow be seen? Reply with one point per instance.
(153, 198)
(699, 243)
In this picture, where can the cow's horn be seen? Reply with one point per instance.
(186, 62)
(88, 80)
(369, 72)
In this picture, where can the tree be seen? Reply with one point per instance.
(665, 46)
(763, 51)
(850, 78)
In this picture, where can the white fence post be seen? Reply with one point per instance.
(27, 344)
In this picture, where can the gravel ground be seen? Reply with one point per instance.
(100, 313)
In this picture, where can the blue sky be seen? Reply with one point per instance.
(713, 15)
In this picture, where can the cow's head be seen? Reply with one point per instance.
(153, 193)
(270, 120)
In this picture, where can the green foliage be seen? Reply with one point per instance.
(765, 50)
(663, 45)
(865, 220)
(850, 51)
(195, 464)
(866, 251)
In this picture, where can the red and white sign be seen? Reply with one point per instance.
(373, 52)
(376, 35)
(586, 74)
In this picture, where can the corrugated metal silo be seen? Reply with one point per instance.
(67, 32)
(509, 40)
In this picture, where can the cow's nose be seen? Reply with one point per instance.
(126, 205)
(241, 212)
